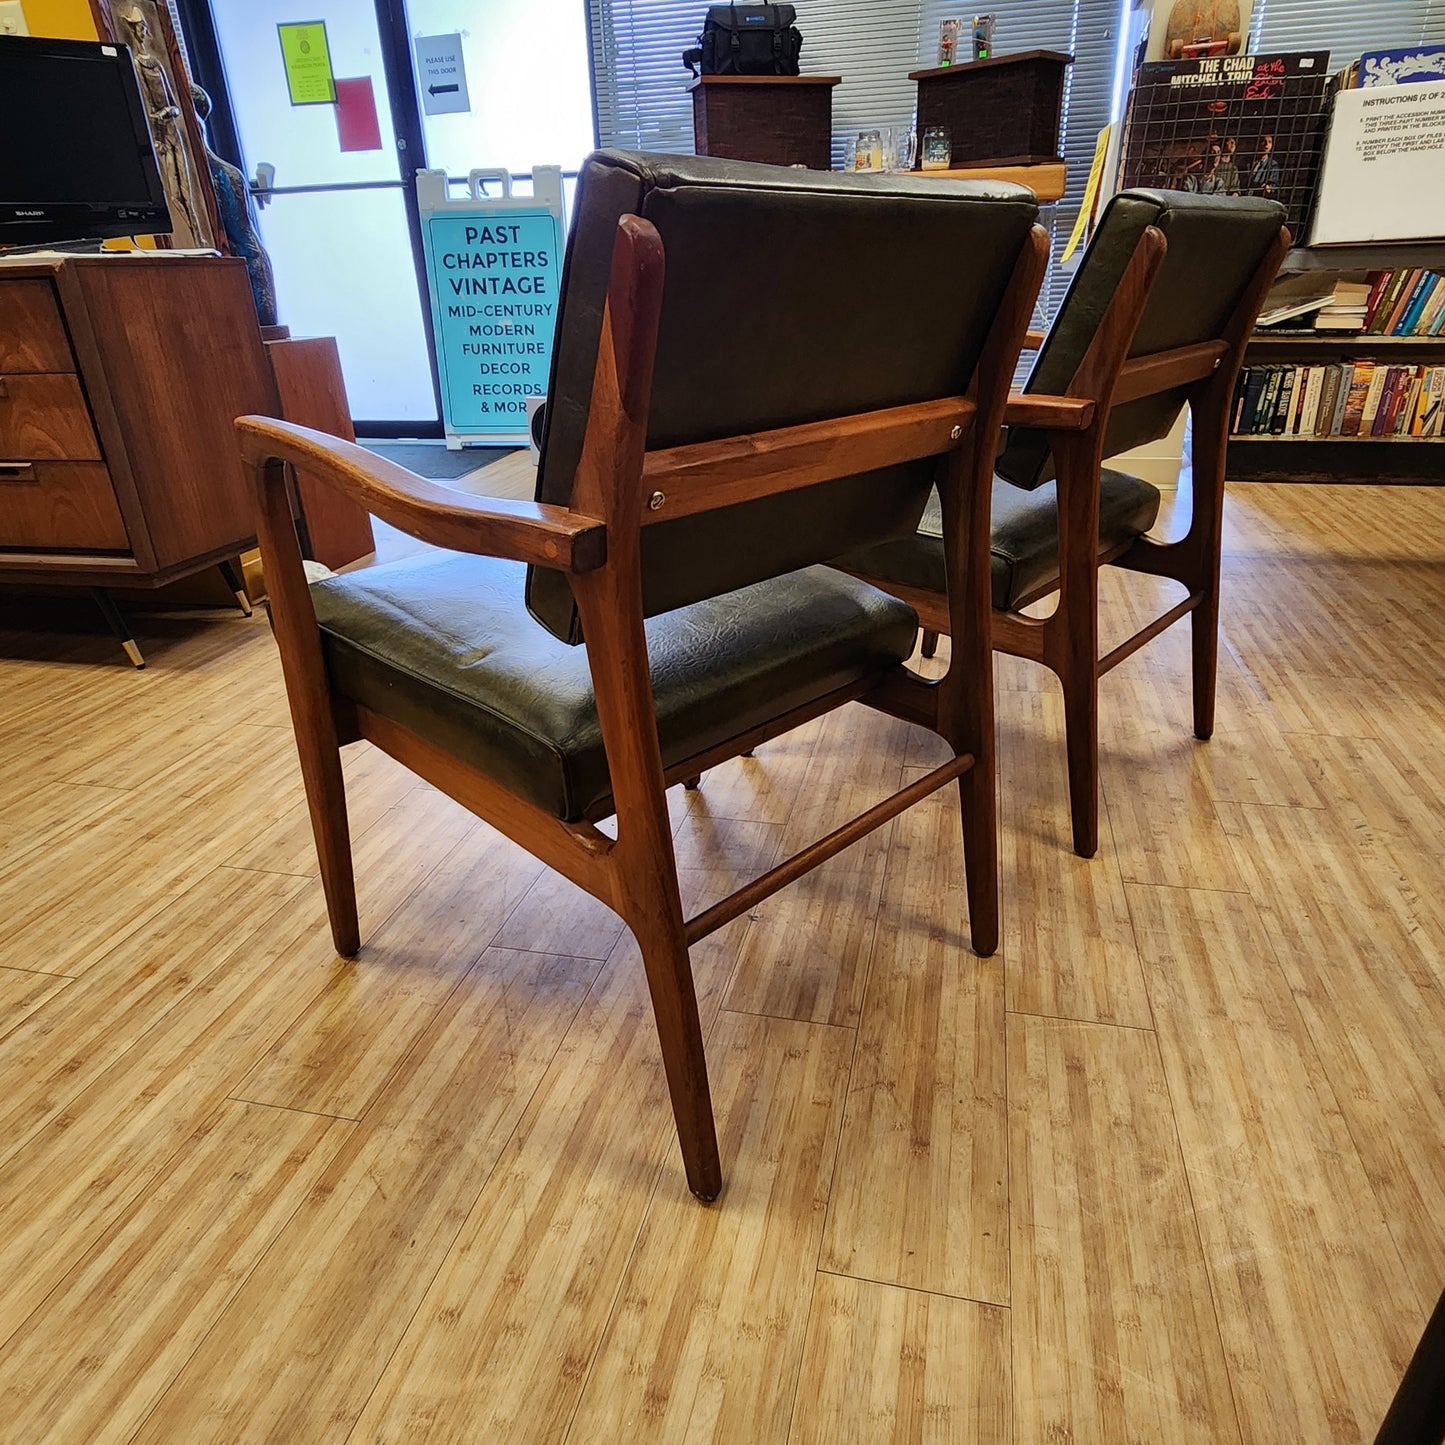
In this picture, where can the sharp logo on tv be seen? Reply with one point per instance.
(1233, 125)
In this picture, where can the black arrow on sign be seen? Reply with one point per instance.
(443, 89)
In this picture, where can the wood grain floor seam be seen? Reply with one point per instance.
(915, 1289)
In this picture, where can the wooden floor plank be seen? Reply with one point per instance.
(374, 784)
(338, 1056)
(1367, 980)
(61, 1051)
(1162, 818)
(806, 955)
(1284, 1206)
(98, 1154)
(341, 1284)
(1114, 1331)
(707, 1335)
(886, 1366)
(1068, 944)
(92, 1362)
(921, 1193)
(500, 1348)
(21, 994)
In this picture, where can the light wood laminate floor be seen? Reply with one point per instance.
(1171, 1167)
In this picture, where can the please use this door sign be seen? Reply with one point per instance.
(494, 269)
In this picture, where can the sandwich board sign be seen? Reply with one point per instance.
(494, 271)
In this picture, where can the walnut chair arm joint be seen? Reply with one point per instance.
(531, 532)
(1050, 413)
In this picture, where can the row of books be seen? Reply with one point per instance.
(1340, 399)
(1409, 301)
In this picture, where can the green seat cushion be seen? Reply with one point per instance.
(1024, 539)
(444, 645)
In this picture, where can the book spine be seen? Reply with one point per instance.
(1385, 304)
(1402, 300)
(1435, 409)
(1236, 407)
(1268, 401)
(1403, 406)
(1329, 394)
(1377, 403)
(1314, 392)
(1337, 421)
(1297, 400)
(1411, 327)
(1258, 378)
(1361, 380)
(1416, 304)
(1438, 324)
(1279, 423)
(1432, 308)
(1420, 403)
(1378, 281)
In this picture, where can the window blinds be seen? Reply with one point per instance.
(643, 102)
(1346, 30)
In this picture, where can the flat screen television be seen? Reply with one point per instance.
(76, 159)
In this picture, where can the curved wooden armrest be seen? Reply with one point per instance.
(1052, 413)
(1033, 340)
(531, 532)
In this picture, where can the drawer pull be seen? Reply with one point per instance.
(17, 472)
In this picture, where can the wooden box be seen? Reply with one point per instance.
(1005, 110)
(782, 120)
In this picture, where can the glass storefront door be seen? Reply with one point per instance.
(339, 214)
(334, 220)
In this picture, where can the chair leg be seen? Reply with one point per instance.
(1081, 741)
(978, 797)
(1204, 635)
(326, 801)
(657, 924)
(929, 645)
(693, 783)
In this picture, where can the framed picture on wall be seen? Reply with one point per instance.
(144, 28)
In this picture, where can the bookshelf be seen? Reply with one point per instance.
(1397, 460)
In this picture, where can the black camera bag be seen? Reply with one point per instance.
(747, 40)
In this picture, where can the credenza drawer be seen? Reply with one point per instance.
(43, 417)
(58, 506)
(32, 335)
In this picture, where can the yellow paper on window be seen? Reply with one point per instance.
(1091, 194)
(307, 55)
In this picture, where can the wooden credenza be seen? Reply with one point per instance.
(120, 378)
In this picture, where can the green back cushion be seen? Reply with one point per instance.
(791, 296)
(1215, 246)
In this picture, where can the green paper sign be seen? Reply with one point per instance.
(308, 63)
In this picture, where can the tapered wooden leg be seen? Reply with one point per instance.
(658, 927)
(118, 625)
(1204, 634)
(979, 799)
(326, 800)
(693, 783)
(237, 586)
(929, 645)
(309, 696)
(1081, 741)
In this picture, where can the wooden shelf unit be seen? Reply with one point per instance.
(1414, 461)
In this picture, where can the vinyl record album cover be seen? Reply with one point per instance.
(1239, 125)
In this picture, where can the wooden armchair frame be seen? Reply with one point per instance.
(619, 488)
(1077, 424)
